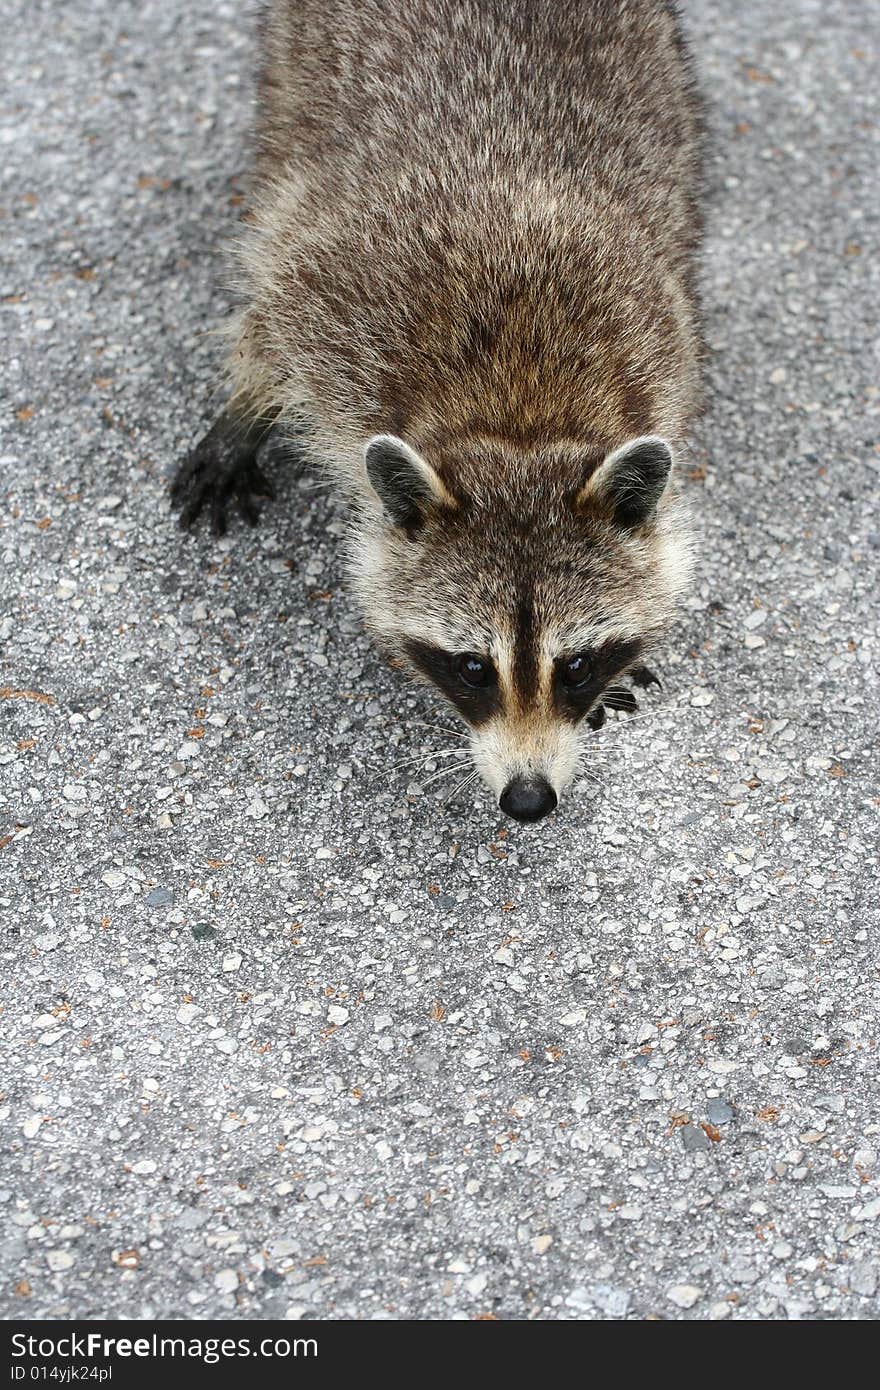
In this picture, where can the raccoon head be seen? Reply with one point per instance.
(520, 584)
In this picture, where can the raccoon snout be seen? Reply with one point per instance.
(528, 799)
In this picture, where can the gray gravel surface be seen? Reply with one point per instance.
(283, 1034)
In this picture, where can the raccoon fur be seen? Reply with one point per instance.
(468, 281)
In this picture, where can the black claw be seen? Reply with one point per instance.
(596, 717)
(643, 676)
(188, 515)
(218, 514)
(247, 508)
(260, 484)
(186, 473)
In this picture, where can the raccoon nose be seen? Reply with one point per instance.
(528, 800)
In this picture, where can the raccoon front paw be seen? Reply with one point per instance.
(596, 718)
(643, 676)
(222, 467)
(618, 697)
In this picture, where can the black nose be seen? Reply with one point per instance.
(528, 799)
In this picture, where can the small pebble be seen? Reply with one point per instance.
(718, 1112)
(694, 1139)
(159, 897)
(684, 1295)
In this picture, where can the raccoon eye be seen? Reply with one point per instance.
(473, 670)
(575, 671)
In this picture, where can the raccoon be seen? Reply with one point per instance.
(468, 282)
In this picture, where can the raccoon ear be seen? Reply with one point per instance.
(631, 481)
(405, 484)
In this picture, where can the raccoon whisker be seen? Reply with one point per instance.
(441, 728)
(638, 717)
(423, 758)
(581, 771)
(468, 781)
(580, 768)
(430, 724)
(426, 757)
(593, 755)
(414, 764)
(641, 714)
(319, 485)
(444, 772)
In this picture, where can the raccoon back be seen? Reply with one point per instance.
(476, 217)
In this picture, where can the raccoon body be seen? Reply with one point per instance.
(469, 275)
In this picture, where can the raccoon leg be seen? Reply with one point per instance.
(222, 466)
(643, 676)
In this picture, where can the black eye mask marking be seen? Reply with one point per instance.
(608, 661)
(477, 703)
